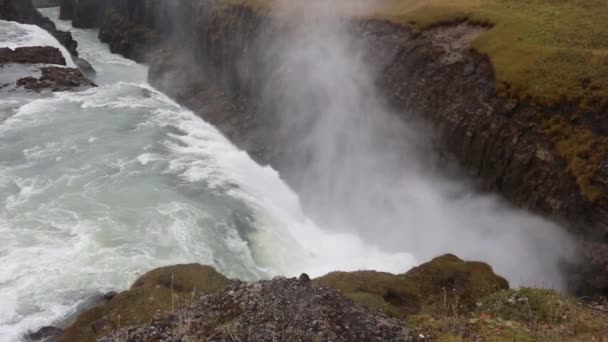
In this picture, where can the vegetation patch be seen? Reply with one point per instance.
(162, 290)
(544, 49)
(441, 285)
(583, 151)
(516, 315)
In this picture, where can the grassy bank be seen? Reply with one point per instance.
(548, 50)
(545, 49)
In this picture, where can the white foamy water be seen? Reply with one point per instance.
(99, 186)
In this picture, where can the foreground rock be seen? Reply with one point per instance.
(158, 291)
(429, 287)
(300, 309)
(281, 309)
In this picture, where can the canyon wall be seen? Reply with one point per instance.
(210, 61)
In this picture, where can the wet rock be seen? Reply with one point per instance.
(32, 55)
(85, 67)
(44, 334)
(109, 295)
(56, 79)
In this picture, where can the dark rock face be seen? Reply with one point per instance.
(86, 13)
(293, 309)
(66, 9)
(44, 334)
(32, 55)
(56, 79)
(45, 3)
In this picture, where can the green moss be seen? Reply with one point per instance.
(542, 49)
(158, 291)
(583, 152)
(444, 284)
(449, 276)
(386, 292)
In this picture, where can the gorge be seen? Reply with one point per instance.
(393, 141)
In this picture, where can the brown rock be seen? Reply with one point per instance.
(32, 55)
(56, 79)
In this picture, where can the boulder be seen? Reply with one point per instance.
(433, 286)
(161, 290)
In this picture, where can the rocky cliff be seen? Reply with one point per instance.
(548, 158)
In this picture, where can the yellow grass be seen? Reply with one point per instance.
(549, 50)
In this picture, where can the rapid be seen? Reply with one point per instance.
(99, 186)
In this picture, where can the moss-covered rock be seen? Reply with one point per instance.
(386, 292)
(161, 290)
(448, 278)
(443, 284)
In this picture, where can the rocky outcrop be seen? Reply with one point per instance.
(39, 58)
(56, 79)
(280, 309)
(32, 55)
(194, 302)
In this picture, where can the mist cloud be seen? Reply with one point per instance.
(359, 168)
